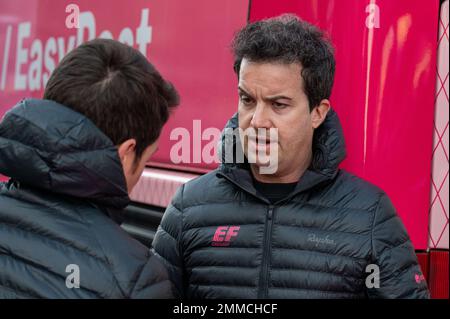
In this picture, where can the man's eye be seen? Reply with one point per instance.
(279, 105)
(245, 100)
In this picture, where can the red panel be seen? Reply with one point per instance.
(384, 93)
(423, 259)
(196, 54)
(439, 269)
(189, 44)
(439, 211)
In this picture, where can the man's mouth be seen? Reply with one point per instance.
(260, 144)
(260, 140)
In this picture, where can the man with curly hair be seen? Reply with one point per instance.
(304, 230)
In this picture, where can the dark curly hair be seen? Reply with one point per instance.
(288, 39)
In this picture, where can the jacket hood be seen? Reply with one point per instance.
(328, 147)
(48, 146)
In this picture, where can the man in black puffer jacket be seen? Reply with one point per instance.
(72, 160)
(304, 230)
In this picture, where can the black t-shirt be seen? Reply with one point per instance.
(274, 191)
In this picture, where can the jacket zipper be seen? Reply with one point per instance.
(267, 248)
(263, 285)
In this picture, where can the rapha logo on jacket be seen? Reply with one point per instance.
(224, 235)
(321, 240)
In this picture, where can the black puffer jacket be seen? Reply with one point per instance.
(222, 239)
(66, 179)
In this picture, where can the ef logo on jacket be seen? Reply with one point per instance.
(224, 235)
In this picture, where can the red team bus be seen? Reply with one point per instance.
(391, 91)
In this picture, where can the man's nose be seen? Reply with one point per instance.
(261, 117)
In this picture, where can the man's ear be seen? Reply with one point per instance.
(319, 113)
(127, 153)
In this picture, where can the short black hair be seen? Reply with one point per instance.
(288, 39)
(117, 88)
